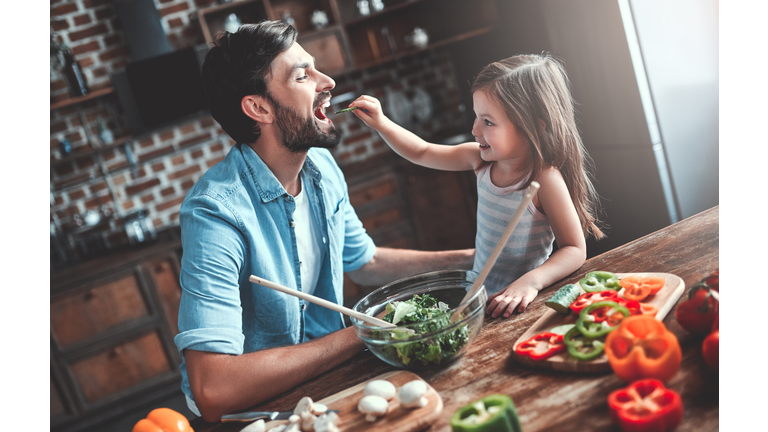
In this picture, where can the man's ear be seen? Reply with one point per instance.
(257, 108)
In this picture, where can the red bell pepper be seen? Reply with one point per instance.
(646, 405)
(637, 308)
(587, 299)
(642, 347)
(553, 344)
(697, 313)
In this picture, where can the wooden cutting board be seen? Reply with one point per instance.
(397, 418)
(664, 300)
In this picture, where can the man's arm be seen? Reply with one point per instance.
(388, 264)
(223, 383)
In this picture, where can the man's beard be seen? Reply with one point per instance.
(299, 135)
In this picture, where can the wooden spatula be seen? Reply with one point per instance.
(496, 251)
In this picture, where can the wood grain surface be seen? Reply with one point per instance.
(397, 418)
(664, 300)
(550, 400)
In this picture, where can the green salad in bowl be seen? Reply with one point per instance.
(421, 307)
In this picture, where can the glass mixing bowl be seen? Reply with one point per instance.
(429, 343)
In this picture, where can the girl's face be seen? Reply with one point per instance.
(499, 138)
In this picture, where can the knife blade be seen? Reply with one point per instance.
(255, 415)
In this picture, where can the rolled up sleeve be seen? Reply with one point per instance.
(210, 312)
(358, 245)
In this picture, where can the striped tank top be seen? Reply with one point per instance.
(530, 243)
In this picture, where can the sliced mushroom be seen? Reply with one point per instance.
(318, 408)
(381, 388)
(279, 428)
(327, 423)
(307, 421)
(411, 394)
(257, 426)
(373, 407)
(304, 405)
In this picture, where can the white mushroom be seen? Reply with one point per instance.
(318, 408)
(279, 428)
(411, 394)
(257, 426)
(304, 405)
(307, 421)
(293, 424)
(327, 423)
(381, 388)
(373, 406)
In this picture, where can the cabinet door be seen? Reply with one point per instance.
(121, 367)
(99, 307)
(165, 275)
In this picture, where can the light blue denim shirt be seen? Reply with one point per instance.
(236, 221)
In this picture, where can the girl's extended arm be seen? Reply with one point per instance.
(462, 157)
(572, 249)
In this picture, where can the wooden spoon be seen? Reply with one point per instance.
(321, 302)
(497, 251)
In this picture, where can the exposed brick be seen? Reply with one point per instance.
(147, 198)
(74, 137)
(175, 22)
(127, 205)
(357, 138)
(187, 128)
(195, 140)
(58, 85)
(146, 142)
(111, 39)
(201, 3)
(64, 9)
(58, 127)
(90, 4)
(167, 191)
(81, 19)
(58, 25)
(114, 53)
(118, 180)
(185, 172)
(85, 63)
(197, 154)
(76, 195)
(98, 201)
(108, 155)
(187, 185)
(206, 122)
(178, 160)
(135, 189)
(166, 135)
(100, 72)
(214, 161)
(155, 153)
(160, 166)
(168, 204)
(104, 13)
(96, 30)
(173, 9)
(98, 187)
(85, 163)
(174, 216)
(86, 48)
(360, 150)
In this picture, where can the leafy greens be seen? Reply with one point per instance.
(433, 315)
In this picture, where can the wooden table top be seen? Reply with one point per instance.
(552, 400)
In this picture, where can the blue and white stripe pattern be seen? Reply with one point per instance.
(529, 245)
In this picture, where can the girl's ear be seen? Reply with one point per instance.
(542, 126)
(257, 108)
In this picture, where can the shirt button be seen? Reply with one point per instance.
(293, 223)
(323, 239)
(303, 306)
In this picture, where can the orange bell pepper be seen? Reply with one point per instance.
(638, 288)
(642, 347)
(163, 420)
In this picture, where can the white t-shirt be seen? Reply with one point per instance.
(307, 241)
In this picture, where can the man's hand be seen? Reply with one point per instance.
(222, 383)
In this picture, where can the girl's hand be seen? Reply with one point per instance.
(369, 111)
(515, 296)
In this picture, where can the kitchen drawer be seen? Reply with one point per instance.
(121, 367)
(90, 311)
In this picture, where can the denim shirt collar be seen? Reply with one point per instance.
(267, 184)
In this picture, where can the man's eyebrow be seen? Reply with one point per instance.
(303, 65)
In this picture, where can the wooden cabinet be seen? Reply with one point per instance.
(353, 40)
(112, 329)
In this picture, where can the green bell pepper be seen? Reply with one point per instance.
(597, 281)
(581, 347)
(591, 329)
(494, 413)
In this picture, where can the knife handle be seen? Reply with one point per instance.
(248, 416)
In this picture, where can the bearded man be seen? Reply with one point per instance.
(276, 207)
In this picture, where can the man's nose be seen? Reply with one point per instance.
(325, 83)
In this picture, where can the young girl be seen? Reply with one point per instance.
(525, 131)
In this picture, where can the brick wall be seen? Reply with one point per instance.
(171, 160)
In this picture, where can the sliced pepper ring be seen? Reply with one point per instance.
(581, 347)
(554, 344)
(600, 281)
(588, 298)
(646, 405)
(591, 328)
(638, 287)
(642, 347)
(492, 413)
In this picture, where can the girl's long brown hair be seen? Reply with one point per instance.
(534, 87)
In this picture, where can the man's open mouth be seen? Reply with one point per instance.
(320, 111)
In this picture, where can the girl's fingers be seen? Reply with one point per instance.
(524, 304)
(511, 308)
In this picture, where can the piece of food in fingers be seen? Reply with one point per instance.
(346, 110)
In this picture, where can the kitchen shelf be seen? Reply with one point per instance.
(378, 14)
(92, 151)
(79, 99)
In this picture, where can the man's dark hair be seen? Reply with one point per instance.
(236, 66)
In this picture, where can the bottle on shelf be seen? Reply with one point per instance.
(106, 135)
(73, 74)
